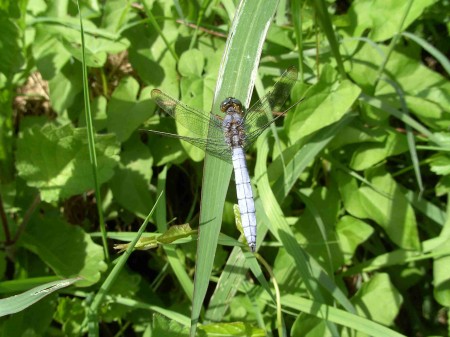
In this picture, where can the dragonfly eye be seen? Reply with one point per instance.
(231, 102)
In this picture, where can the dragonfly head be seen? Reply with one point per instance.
(232, 104)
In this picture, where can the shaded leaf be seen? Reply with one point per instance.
(130, 184)
(65, 248)
(125, 111)
(389, 208)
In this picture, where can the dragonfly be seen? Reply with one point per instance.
(229, 137)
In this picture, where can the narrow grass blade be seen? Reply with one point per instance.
(338, 316)
(431, 49)
(380, 104)
(173, 315)
(325, 21)
(91, 139)
(236, 78)
(17, 303)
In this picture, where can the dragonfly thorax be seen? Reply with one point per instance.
(233, 130)
(233, 122)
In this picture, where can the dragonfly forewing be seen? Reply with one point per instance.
(192, 119)
(207, 129)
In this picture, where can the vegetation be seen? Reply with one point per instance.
(351, 185)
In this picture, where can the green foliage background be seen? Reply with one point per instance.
(351, 187)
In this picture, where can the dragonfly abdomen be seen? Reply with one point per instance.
(244, 196)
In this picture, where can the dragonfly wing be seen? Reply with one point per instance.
(214, 146)
(259, 116)
(190, 118)
(250, 138)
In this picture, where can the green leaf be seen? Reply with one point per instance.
(308, 326)
(70, 314)
(378, 300)
(443, 186)
(351, 232)
(115, 14)
(422, 87)
(357, 133)
(65, 86)
(97, 49)
(308, 267)
(98, 108)
(430, 111)
(172, 315)
(281, 37)
(390, 209)
(164, 327)
(116, 270)
(227, 286)
(192, 63)
(37, 7)
(94, 60)
(96, 46)
(67, 249)
(368, 155)
(440, 163)
(299, 156)
(348, 188)
(125, 112)
(325, 103)
(382, 18)
(49, 53)
(56, 160)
